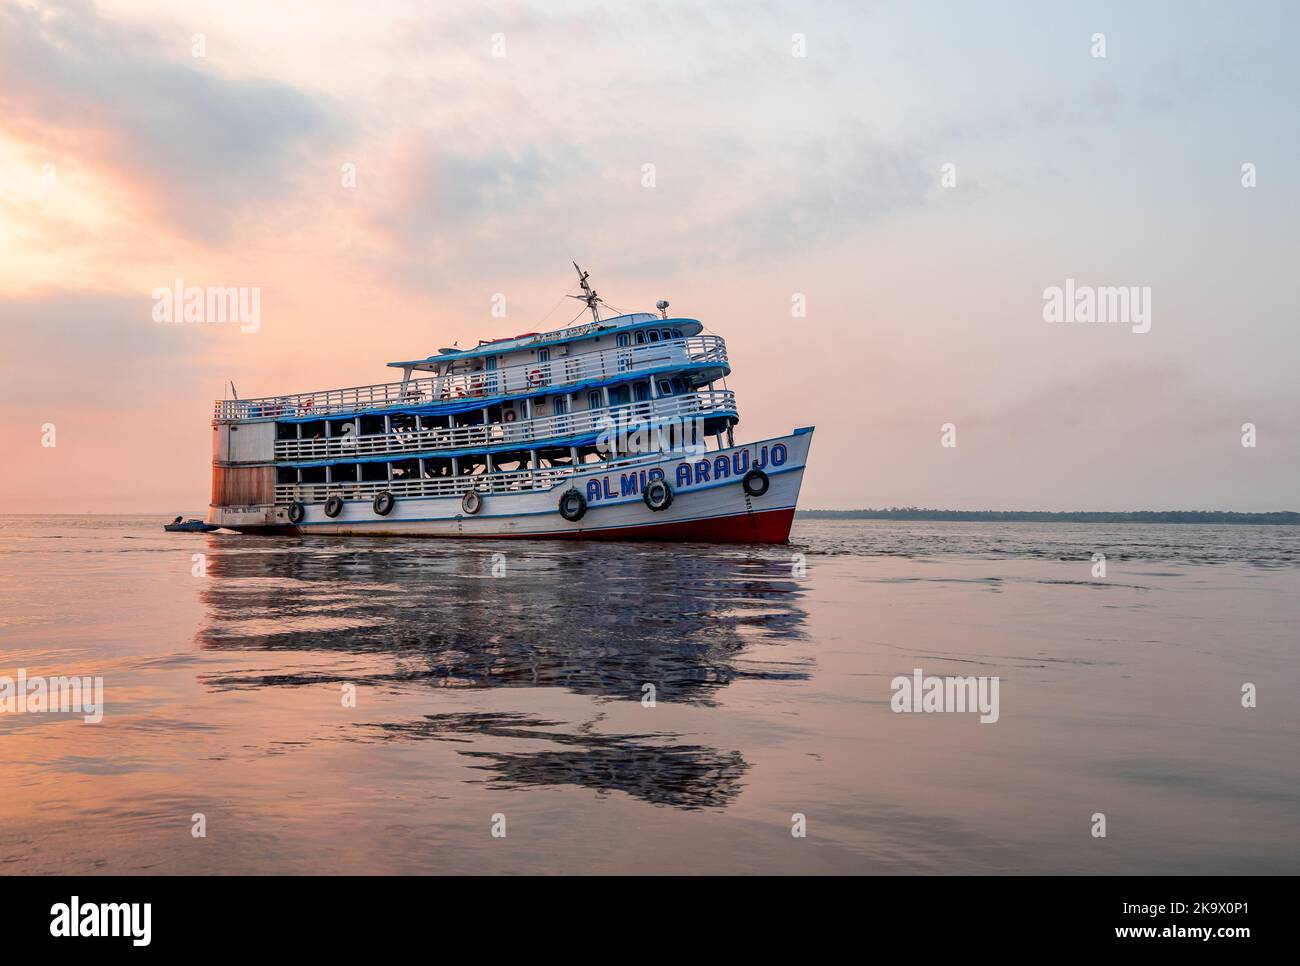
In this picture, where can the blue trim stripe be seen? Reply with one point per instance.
(464, 403)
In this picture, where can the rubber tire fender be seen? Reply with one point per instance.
(658, 502)
(756, 482)
(573, 505)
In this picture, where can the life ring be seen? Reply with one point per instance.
(296, 512)
(658, 495)
(334, 506)
(384, 503)
(510, 416)
(535, 377)
(755, 482)
(573, 505)
(471, 502)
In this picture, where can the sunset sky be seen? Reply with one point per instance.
(494, 143)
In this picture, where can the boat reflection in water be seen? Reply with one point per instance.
(687, 776)
(597, 620)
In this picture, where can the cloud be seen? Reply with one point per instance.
(722, 199)
(542, 151)
(197, 146)
(101, 350)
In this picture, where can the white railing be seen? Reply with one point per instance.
(510, 380)
(523, 432)
(514, 481)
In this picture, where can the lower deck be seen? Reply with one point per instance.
(742, 493)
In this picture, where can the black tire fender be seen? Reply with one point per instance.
(573, 505)
(658, 495)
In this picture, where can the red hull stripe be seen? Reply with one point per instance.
(764, 526)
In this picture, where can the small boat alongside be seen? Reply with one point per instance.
(618, 428)
(192, 525)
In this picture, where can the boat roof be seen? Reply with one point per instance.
(534, 340)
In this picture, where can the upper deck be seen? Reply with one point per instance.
(544, 368)
(638, 327)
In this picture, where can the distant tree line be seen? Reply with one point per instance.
(1289, 517)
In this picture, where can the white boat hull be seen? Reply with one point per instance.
(709, 504)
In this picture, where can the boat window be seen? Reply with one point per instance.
(677, 333)
(665, 388)
(640, 338)
(618, 396)
(622, 339)
(641, 391)
(561, 405)
(654, 336)
(543, 355)
(406, 469)
(679, 385)
(668, 334)
(593, 399)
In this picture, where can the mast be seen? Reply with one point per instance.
(588, 294)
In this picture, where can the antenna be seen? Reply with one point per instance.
(588, 294)
(662, 306)
(233, 389)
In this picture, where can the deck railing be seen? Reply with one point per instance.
(511, 380)
(513, 481)
(526, 432)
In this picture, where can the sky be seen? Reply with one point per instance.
(916, 175)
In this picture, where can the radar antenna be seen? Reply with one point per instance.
(588, 294)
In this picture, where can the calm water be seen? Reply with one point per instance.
(520, 696)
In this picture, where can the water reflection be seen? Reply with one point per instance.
(687, 776)
(600, 620)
